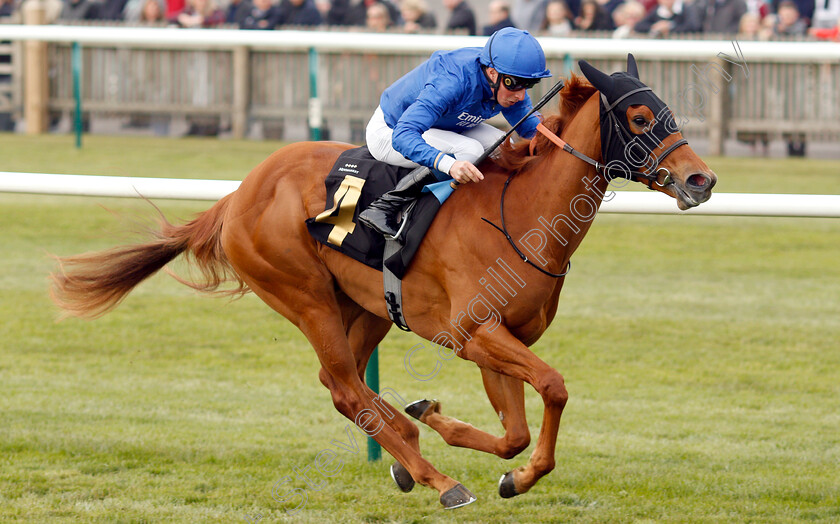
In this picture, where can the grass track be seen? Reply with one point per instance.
(701, 355)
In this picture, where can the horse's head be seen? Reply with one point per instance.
(641, 140)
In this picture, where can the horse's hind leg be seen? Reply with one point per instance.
(318, 315)
(507, 397)
(321, 323)
(364, 331)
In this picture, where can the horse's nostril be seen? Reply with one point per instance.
(698, 180)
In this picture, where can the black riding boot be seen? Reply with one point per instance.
(381, 215)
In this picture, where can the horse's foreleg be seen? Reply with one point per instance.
(507, 397)
(503, 353)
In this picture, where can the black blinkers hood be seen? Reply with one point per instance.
(619, 91)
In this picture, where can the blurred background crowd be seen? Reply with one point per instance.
(748, 19)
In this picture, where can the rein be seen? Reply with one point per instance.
(634, 175)
(519, 252)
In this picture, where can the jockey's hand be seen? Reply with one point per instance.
(463, 172)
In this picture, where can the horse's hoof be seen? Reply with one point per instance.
(402, 477)
(419, 407)
(507, 489)
(457, 497)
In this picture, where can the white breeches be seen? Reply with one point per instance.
(468, 145)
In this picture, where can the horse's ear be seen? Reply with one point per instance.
(601, 81)
(632, 70)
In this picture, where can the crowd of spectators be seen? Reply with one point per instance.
(757, 19)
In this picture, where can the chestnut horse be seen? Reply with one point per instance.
(256, 237)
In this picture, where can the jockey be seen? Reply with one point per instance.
(433, 117)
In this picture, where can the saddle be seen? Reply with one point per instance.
(355, 181)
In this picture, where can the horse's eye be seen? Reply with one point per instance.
(639, 121)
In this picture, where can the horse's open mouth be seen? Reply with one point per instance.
(696, 190)
(687, 199)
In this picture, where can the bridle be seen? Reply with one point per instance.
(615, 131)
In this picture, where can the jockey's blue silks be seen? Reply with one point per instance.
(450, 91)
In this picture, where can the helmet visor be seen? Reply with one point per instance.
(517, 83)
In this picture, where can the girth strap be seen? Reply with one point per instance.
(393, 286)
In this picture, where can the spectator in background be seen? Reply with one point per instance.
(671, 16)
(625, 18)
(78, 10)
(323, 7)
(151, 12)
(722, 16)
(805, 8)
(378, 19)
(788, 21)
(7, 8)
(767, 26)
(336, 14)
(826, 13)
(111, 10)
(199, 13)
(299, 12)
(528, 14)
(498, 14)
(593, 17)
(357, 13)
(416, 16)
(832, 33)
(558, 19)
(758, 7)
(263, 15)
(133, 10)
(749, 28)
(173, 7)
(237, 10)
(461, 16)
(609, 6)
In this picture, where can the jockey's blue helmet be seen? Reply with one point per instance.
(515, 52)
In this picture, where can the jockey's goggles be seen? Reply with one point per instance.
(517, 83)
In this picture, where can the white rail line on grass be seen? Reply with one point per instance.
(648, 202)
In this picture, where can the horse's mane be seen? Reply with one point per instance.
(573, 95)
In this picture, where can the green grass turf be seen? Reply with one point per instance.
(700, 353)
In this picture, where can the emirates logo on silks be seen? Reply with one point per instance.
(467, 120)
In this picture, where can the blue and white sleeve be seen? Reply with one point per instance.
(418, 118)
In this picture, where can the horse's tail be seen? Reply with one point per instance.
(92, 284)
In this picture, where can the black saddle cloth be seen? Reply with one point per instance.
(356, 180)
